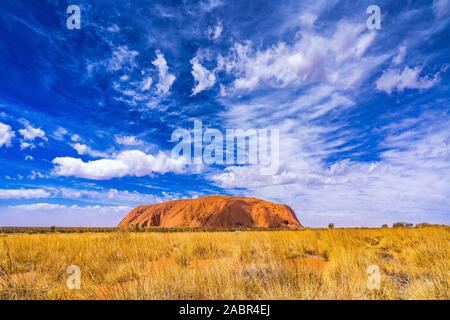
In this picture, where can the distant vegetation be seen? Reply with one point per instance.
(402, 225)
(305, 264)
(43, 230)
(54, 229)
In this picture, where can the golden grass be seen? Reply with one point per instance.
(306, 264)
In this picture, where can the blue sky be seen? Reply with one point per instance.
(86, 116)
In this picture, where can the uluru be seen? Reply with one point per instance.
(213, 212)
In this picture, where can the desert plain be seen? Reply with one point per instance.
(411, 263)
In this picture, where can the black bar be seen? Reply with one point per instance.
(224, 309)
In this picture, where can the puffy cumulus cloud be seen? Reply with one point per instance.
(35, 175)
(338, 59)
(203, 77)
(96, 170)
(409, 78)
(81, 148)
(23, 193)
(166, 79)
(6, 135)
(30, 133)
(128, 163)
(50, 214)
(26, 145)
(60, 133)
(128, 140)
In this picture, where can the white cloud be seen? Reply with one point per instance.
(122, 56)
(146, 83)
(209, 5)
(23, 193)
(396, 187)
(38, 206)
(60, 133)
(127, 163)
(26, 145)
(223, 91)
(36, 174)
(307, 19)
(98, 195)
(442, 8)
(6, 135)
(111, 196)
(323, 74)
(166, 79)
(216, 31)
(81, 148)
(204, 78)
(324, 70)
(30, 133)
(408, 78)
(128, 140)
(337, 59)
(49, 214)
(400, 57)
(114, 28)
(75, 138)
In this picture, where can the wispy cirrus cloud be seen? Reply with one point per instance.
(442, 8)
(122, 57)
(93, 195)
(49, 214)
(305, 60)
(316, 82)
(23, 193)
(397, 185)
(409, 78)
